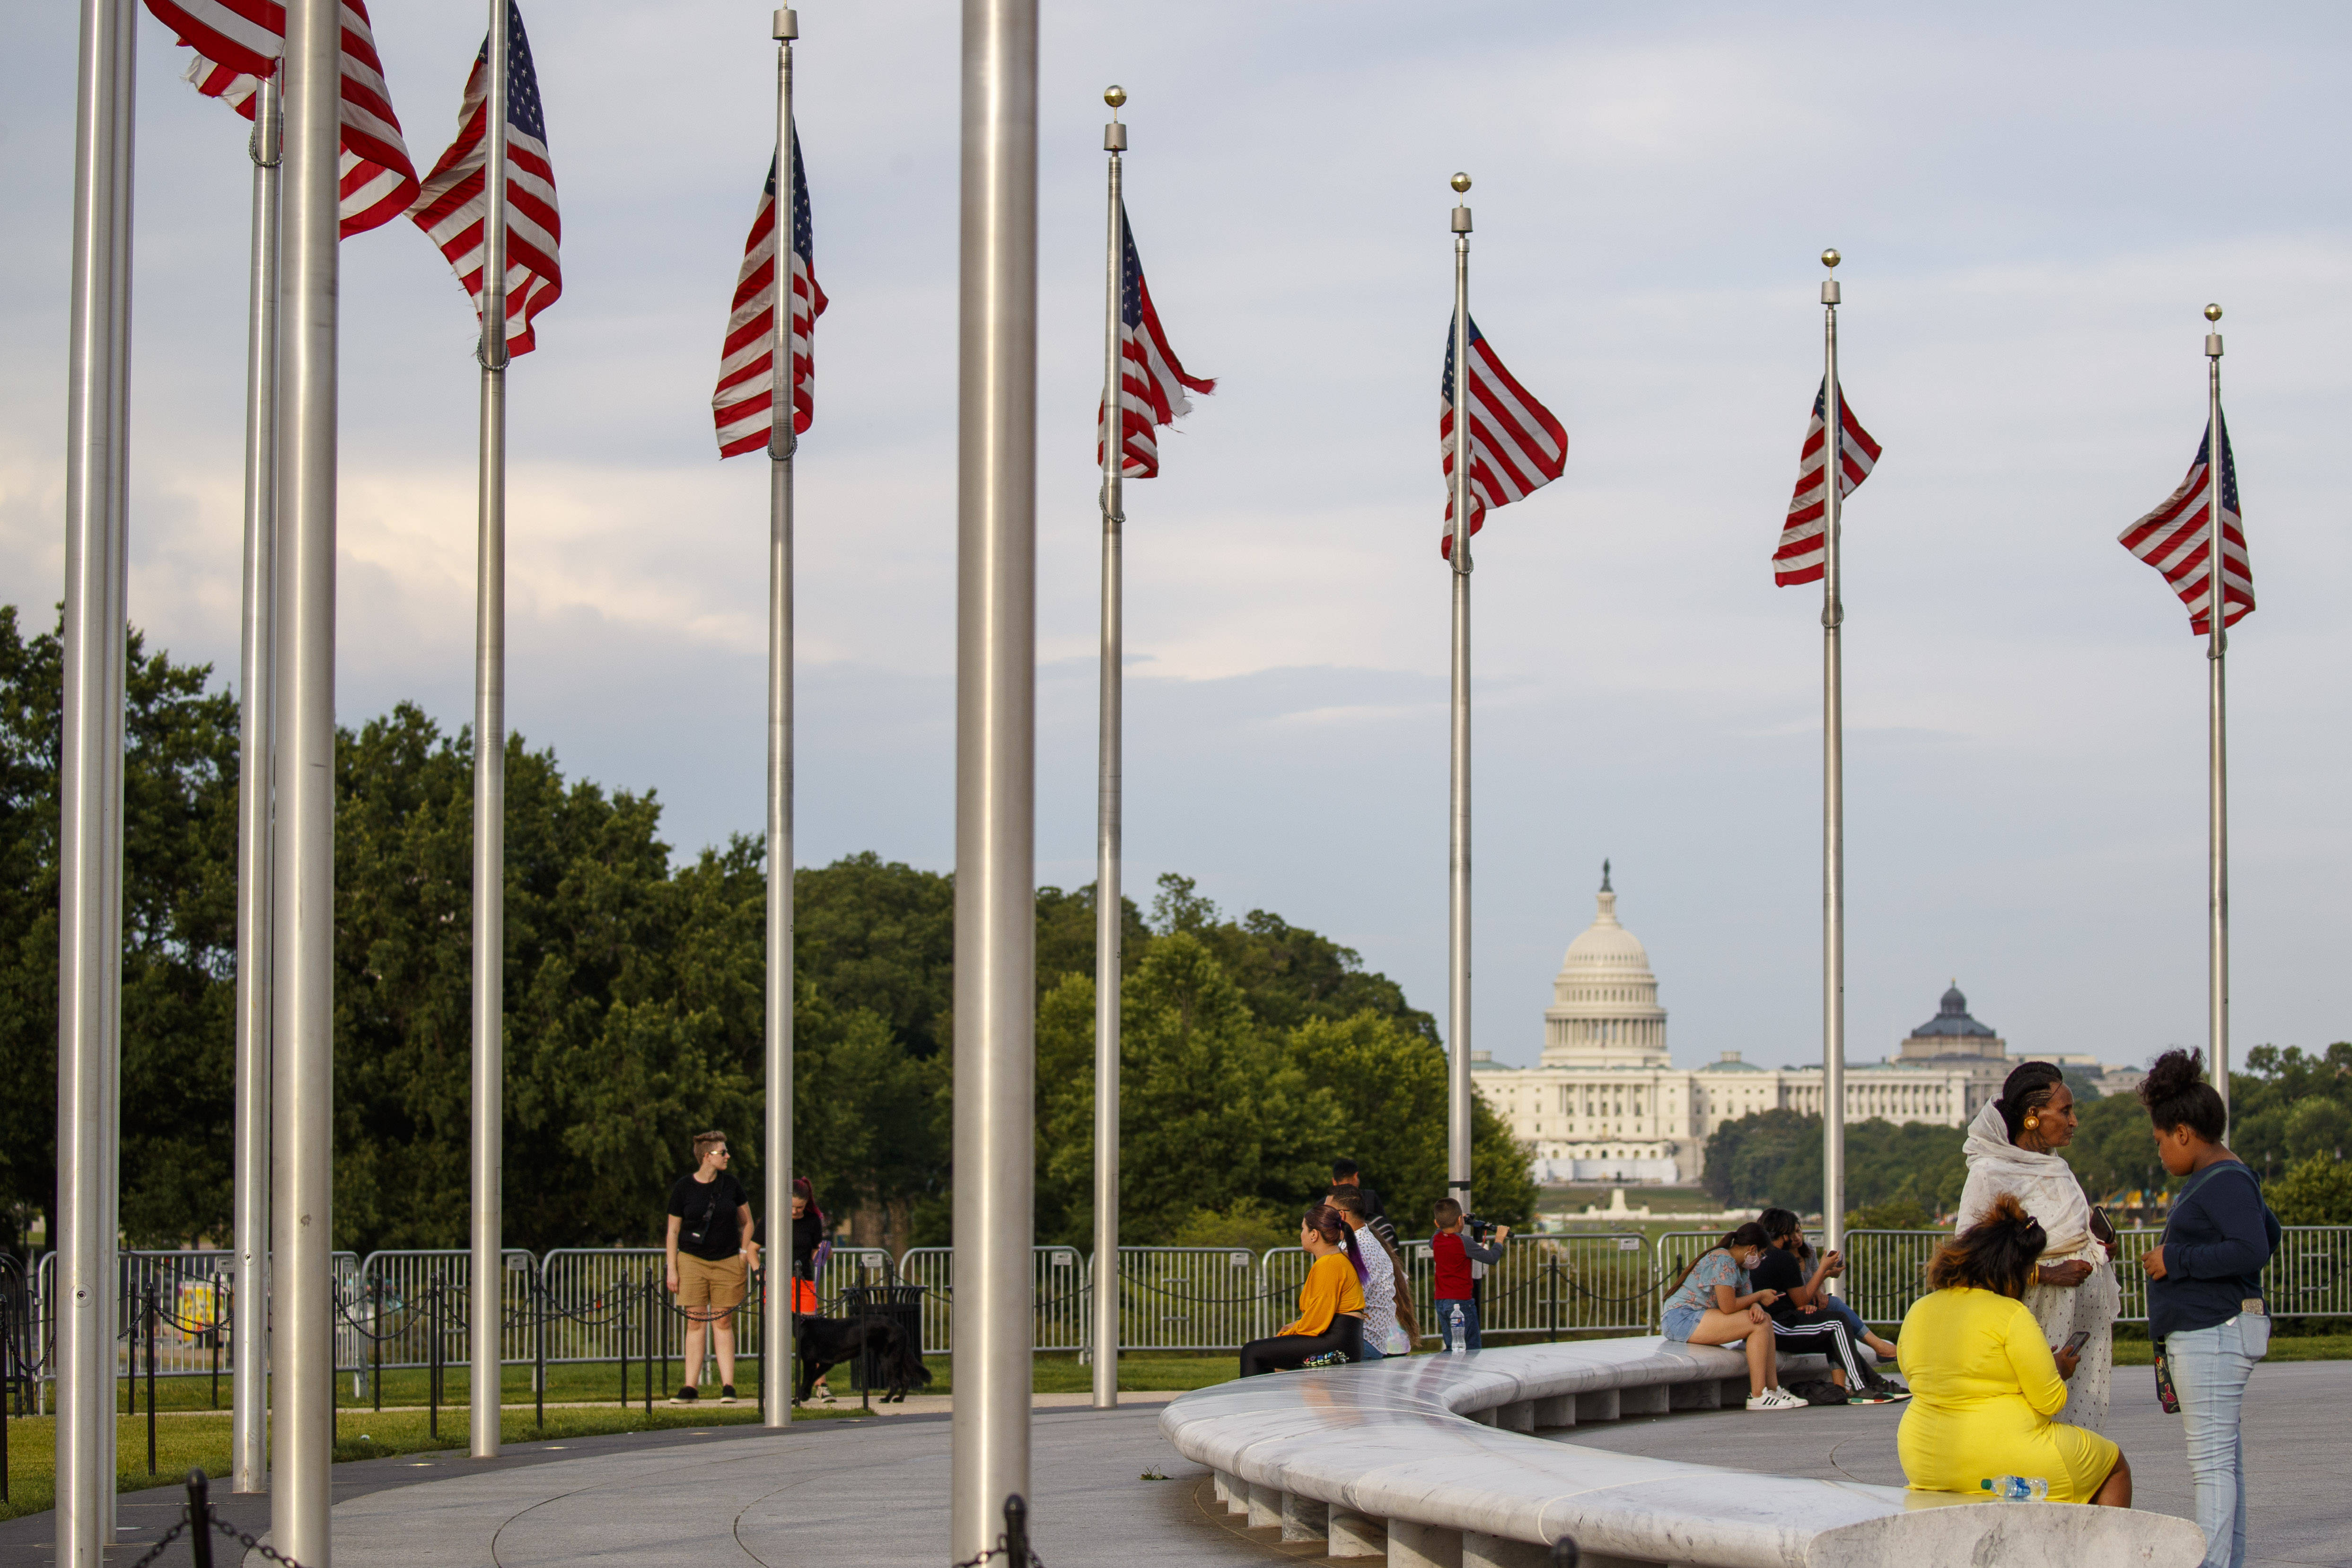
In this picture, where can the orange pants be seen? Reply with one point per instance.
(804, 1298)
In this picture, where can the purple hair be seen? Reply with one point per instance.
(1332, 1226)
(802, 1189)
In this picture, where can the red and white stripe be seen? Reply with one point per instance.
(452, 212)
(1804, 555)
(742, 406)
(237, 42)
(1153, 380)
(2177, 539)
(1516, 447)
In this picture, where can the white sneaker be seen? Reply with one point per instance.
(1775, 1399)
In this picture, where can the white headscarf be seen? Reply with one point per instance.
(2044, 1184)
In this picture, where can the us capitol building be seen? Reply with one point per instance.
(1606, 1105)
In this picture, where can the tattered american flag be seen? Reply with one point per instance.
(237, 42)
(1153, 381)
(1803, 554)
(1516, 447)
(450, 208)
(2177, 536)
(742, 406)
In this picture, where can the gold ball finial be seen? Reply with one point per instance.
(1115, 96)
(1461, 183)
(1831, 258)
(2213, 312)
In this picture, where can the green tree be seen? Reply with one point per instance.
(2113, 1153)
(1287, 973)
(2318, 1191)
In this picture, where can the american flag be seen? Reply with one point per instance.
(1151, 380)
(1516, 447)
(450, 208)
(741, 406)
(2176, 537)
(1804, 555)
(236, 43)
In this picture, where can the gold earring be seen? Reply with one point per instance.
(2033, 1121)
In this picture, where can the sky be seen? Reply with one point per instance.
(2034, 204)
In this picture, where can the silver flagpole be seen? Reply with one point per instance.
(1457, 916)
(302, 949)
(1108, 785)
(249, 1302)
(2217, 644)
(776, 1358)
(89, 824)
(1832, 786)
(996, 663)
(484, 1296)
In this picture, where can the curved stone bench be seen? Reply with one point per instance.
(1425, 1461)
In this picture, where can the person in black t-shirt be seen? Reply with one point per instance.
(709, 1249)
(1808, 1317)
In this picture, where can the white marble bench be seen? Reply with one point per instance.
(1425, 1462)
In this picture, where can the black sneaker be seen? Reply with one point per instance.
(683, 1396)
(726, 1394)
(1889, 1391)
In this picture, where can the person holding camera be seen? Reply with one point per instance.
(710, 1250)
(2012, 1149)
(2205, 1306)
(1460, 1243)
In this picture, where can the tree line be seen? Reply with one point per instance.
(1253, 1051)
(2291, 1118)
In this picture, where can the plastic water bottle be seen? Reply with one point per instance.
(2017, 1489)
(1459, 1323)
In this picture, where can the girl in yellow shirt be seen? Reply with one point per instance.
(1330, 1323)
(1985, 1382)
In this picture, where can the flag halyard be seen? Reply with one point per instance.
(2177, 539)
(743, 407)
(1152, 379)
(451, 210)
(1803, 552)
(1516, 447)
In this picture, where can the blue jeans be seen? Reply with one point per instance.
(1445, 1323)
(2209, 1369)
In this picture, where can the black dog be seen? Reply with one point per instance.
(827, 1342)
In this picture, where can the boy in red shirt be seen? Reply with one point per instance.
(1451, 1253)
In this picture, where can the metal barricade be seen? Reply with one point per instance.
(193, 1290)
(581, 1291)
(1577, 1282)
(1188, 1298)
(403, 1299)
(2310, 1276)
(1057, 1292)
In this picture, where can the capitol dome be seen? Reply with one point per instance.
(1605, 1010)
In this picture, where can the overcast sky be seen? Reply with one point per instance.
(2033, 202)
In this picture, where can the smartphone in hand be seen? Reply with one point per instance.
(2076, 1341)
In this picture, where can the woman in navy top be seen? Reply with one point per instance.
(2205, 1307)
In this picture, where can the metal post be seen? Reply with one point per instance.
(1457, 883)
(1832, 787)
(149, 1326)
(483, 1337)
(783, 440)
(89, 823)
(1109, 783)
(2217, 783)
(249, 1308)
(302, 950)
(995, 938)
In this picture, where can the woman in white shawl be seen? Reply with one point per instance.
(2012, 1147)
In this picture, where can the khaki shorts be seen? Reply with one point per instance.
(702, 1283)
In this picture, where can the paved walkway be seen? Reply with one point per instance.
(874, 1492)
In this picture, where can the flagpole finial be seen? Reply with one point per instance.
(2213, 312)
(1461, 183)
(786, 24)
(1829, 258)
(1115, 96)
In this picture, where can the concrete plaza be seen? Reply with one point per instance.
(874, 1492)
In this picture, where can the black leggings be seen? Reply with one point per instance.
(1285, 1352)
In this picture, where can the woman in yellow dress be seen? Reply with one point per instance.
(1985, 1384)
(1329, 1327)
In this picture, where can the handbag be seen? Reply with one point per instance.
(2102, 1229)
(2166, 1394)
